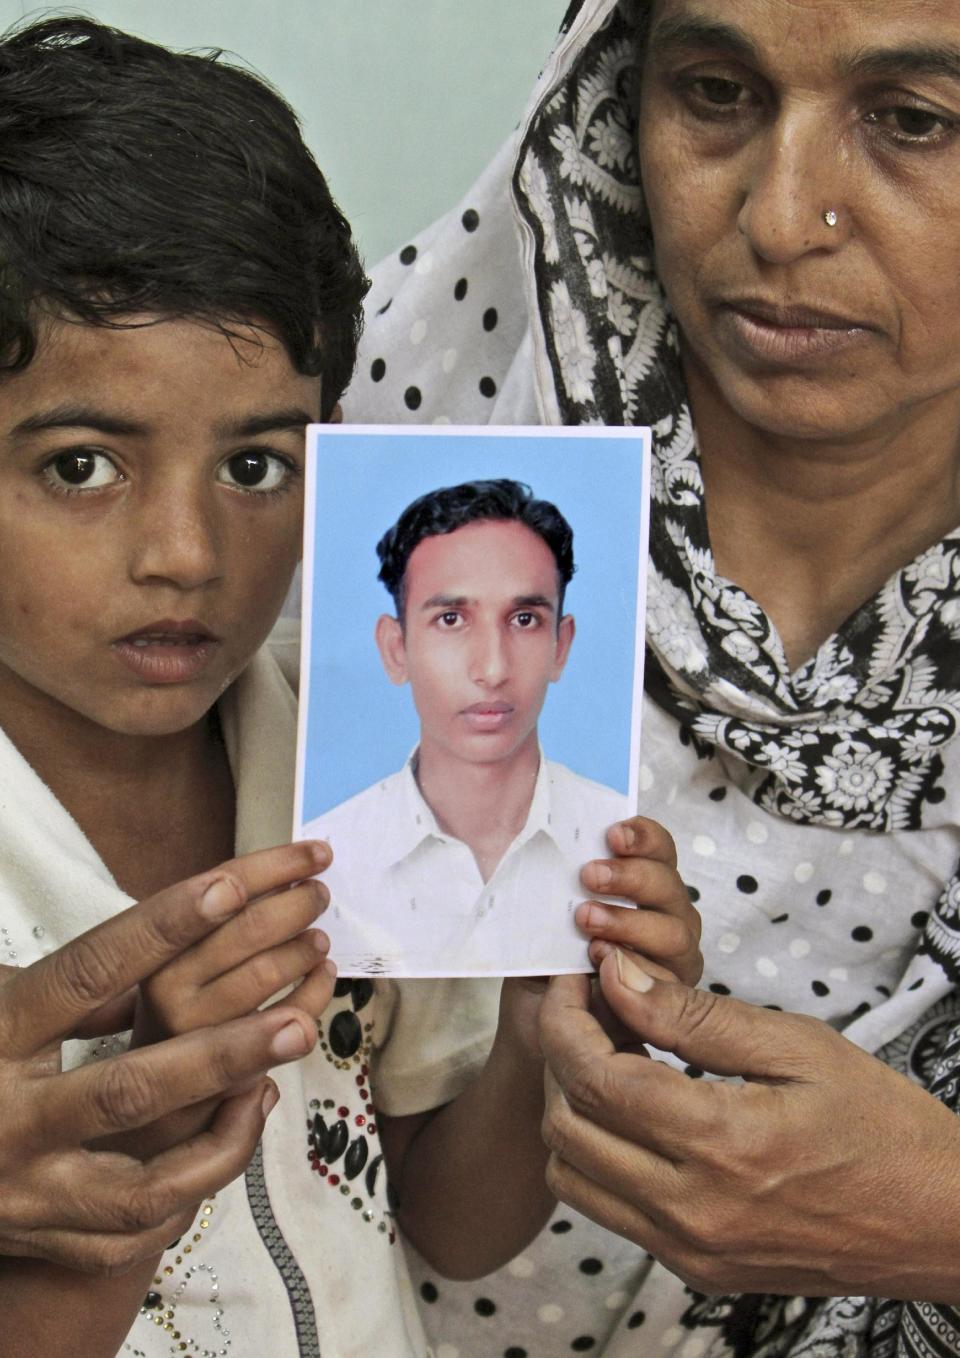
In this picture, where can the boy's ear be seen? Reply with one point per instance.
(392, 648)
(565, 635)
(336, 414)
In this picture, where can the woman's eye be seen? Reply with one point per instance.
(716, 90)
(255, 470)
(81, 470)
(908, 123)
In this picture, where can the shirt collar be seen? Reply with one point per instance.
(413, 822)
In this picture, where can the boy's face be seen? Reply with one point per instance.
(480, 640)
(150, 505)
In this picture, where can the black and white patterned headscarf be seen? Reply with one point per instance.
(863, 735)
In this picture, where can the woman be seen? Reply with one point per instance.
(778, 301)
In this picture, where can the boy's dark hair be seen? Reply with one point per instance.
(136, 179)
(444, 511)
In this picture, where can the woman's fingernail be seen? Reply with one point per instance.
(632, 975)
(221, 899)
(598, 875)
(271, 1097)
(289, 1042)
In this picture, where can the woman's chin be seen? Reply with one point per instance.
(804, 407)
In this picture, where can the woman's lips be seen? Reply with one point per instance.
(167, 652)
(487, 717)
(789, 335)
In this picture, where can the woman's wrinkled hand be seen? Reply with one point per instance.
(824, 1173)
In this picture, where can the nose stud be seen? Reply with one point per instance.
(830, 217)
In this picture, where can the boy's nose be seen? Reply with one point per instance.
(489, 659)
(175, 541)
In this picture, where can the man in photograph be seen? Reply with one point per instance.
(466, 861)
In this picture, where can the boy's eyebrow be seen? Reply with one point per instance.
(533, 601)
(89, 417)
(461, 601)
(76, 416)
(266, 423)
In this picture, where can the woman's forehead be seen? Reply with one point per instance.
(844, 29)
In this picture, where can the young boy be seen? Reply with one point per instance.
(179, 296)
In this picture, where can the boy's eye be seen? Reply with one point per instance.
(526, 621)
(81, 470)
(254, 469)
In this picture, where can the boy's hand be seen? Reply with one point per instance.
(259, 951)
(665, 928)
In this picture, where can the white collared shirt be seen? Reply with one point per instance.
(407, 898)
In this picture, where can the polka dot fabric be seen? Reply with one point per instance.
(440, 344)
(521, 1310)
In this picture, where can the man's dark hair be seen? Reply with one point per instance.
(444, 511)
(135, 179)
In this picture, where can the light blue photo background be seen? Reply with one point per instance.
(360, 726)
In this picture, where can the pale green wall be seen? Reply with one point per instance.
(402, 101)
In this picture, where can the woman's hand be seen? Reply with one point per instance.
(665, 928)
(826, 1173)
(101, 1212)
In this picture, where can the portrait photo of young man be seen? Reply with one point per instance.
(465, 859)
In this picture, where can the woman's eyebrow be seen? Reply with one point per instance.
(694, 32)
(914, 60)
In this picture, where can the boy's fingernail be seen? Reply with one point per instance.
(632, 975)
(330, 967)
(271, 1097)
(629, 834)
(289, 1042)
(594, 916)
(320, 941)
(599, 875)
(221, 899)
(321, 852)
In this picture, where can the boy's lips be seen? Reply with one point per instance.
(168, 651)
(487, 716)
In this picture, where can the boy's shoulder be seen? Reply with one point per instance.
(283, 644)
(354, 817)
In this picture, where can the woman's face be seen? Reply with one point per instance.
(758, 119)
(150, 508)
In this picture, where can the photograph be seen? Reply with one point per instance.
(471, 678)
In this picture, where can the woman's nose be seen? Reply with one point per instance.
(796, 194)
(175, 541)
